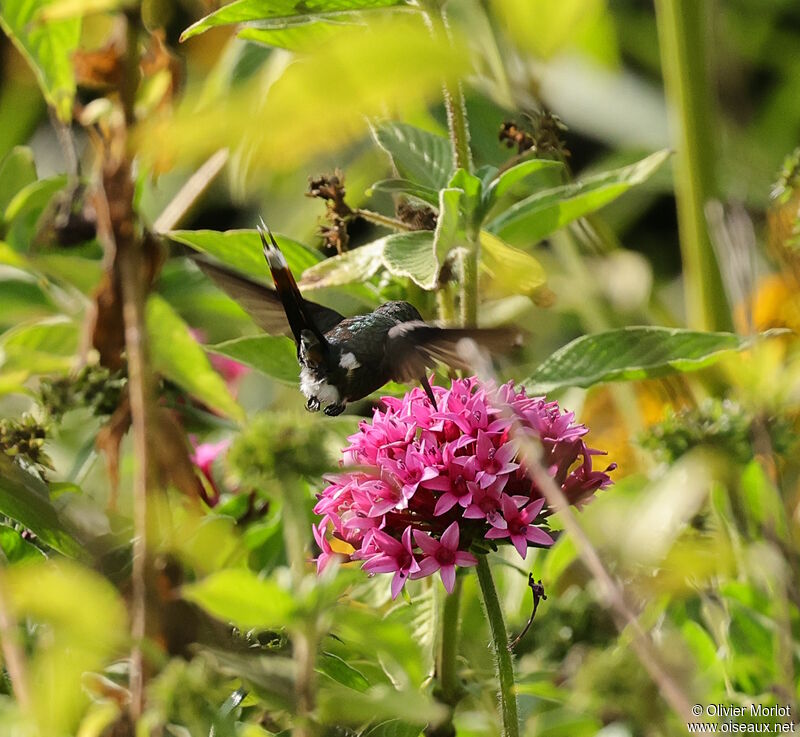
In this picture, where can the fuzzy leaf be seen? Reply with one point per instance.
(412, 255)
(239, 596)
(448, 225)
(179, 357)
(419, 156)
(632, 353)
(357, 265)
(48, 48)
(271, 355)
(537, 216)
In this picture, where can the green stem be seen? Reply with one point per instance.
(505, 668)
(447, 650)
(383, 220)
(683, 34)
(469, 284)
(458, 125)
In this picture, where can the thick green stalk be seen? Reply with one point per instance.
(683, 34)
(505, 667)
(447, 649)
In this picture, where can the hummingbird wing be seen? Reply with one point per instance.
(414, 347)
(262, 303)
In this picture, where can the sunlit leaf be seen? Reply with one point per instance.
(48, 48)
(302, 35)
(412, 255)
(17, 170)
(25, 499)
(404, 186)
(389, 63)
(357, 265)
(507, 270)
(242, 250)
(632, 353)
(178, 356)
(542, 213)
(242, 11)
(241, 597)
(419, 156)
(62, 9)
(273, 356)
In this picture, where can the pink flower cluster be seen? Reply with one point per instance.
(428, 484)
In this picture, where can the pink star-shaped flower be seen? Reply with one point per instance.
(442, 555)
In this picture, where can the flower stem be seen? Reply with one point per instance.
(383, 220)
(447, 651)
(505, 667)
(684, 39)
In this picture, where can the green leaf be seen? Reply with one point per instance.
(412, 255)
(292, 35)
(448, 224)
(242, 11)
(403, 186)
(630, 354)
(537, 216)
(48, 48)
(391, 728)
(17, 170)
(239, 596)
(504, 181)
(422, 157)
(342, 672)
(242, 250)
(271, 355)
(508, 270)
(359, 264)
(25, 499)
(25, 209)
(16, 548)
(179, 357)
(41, 347)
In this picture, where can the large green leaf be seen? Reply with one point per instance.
(448, 225)
(179, 357)
(25, 499)
(48, 48)
(537, 216)
(631, 353)
(419, 156)
(242, 249)
(412, 255)
(25, 209)
(293, 34)
(271, 355)
(242, 11)
(17, 170)
(239, 596)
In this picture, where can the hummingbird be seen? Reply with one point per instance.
(343, 359)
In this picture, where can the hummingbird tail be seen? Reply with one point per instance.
(285, 285)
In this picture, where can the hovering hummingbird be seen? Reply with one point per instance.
(343, 359)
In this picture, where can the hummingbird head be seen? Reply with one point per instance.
(312, 353)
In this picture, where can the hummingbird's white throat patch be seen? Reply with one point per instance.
(311, 386)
